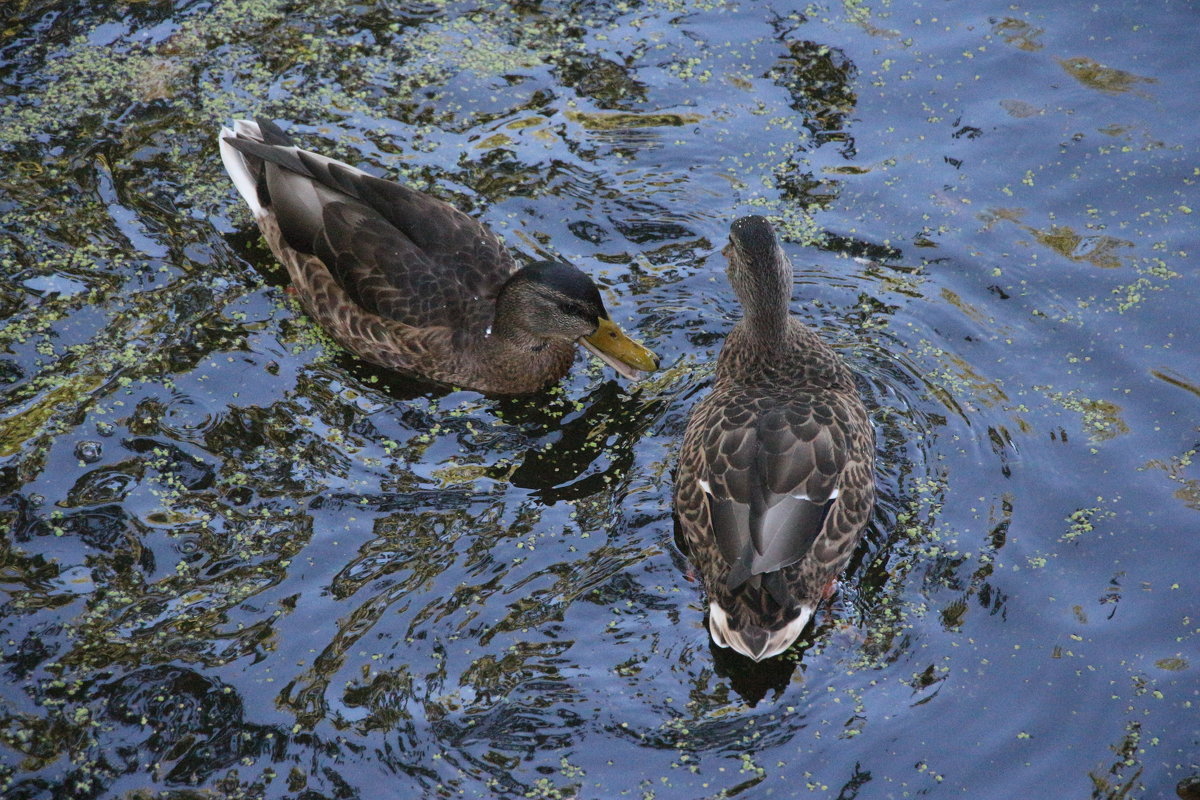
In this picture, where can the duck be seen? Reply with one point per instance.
(776, 479)
(410, 283)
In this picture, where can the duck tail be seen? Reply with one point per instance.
(752, 641)
(244, 171)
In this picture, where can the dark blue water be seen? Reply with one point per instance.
(238, 561)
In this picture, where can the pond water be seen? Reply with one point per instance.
(239, 562)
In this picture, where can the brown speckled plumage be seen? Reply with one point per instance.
(411, 283)
(776, 474)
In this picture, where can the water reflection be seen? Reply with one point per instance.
(569, 444)
(755, 681)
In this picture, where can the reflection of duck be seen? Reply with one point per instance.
(411, 283)
(776, 476)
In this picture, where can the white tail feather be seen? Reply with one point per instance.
(773, 643)
(235, 163)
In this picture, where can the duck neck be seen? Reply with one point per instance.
(519, 361)
(766, 314)
(506, 333)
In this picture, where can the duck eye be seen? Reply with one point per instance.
(571, 309)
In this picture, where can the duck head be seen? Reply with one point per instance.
(758, 269)
(553, 300)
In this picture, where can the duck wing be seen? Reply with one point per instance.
(773, 465)
(397, 252)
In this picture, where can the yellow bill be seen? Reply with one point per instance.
(610, 344)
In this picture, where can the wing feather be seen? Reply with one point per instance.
(420, 261)
(772, 482)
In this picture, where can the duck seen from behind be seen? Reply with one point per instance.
(776, 477)
(409, 282)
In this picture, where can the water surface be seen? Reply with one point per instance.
(237, 561)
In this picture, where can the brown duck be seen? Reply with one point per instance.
(408, 282)
(776, 477)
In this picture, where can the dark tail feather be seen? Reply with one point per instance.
(273, 134)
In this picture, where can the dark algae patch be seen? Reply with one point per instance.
(238, 562)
